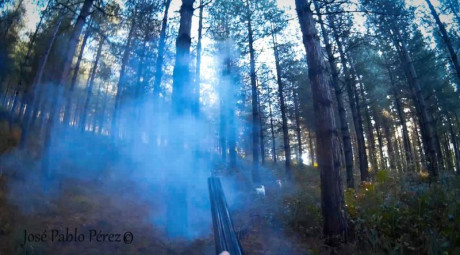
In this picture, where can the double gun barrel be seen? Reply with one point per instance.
(224, 234)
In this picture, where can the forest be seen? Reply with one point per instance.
(301, 126)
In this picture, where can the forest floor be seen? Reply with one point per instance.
(116, 204)
(396, 213)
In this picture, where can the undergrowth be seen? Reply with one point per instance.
(394, 214)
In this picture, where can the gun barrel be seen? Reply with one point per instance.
(224, 234)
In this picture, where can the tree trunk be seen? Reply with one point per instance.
(255, 112)
(182, 108)
(312, 150)
(223, 119)
(446, 39)
(369, 126)
(161, 52)
(402, 122)
(28, 92)
(196, 103)
(272, 130)
(383, 164)
(68, 105)
(34, 99)
(328, 147)
(439, 152)
(355, 109)
(287, 146)
(55, 104)
(262, 143)
(297, 123)
(346, 140)
(182, 94)
(453, 137)
(89, 88)
(426, 123)
(392, 158)
(121, 80)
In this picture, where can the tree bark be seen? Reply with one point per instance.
(196, 103)
(346, 140)
(312, 150)
(402, 121)
(161, 52)
(389, 134)
(272, 130)
(262, 143)
(68, 105)
(182, 108)
(121, 80)
(297, 123)
(369, 126)
(255, 113)
(89, 88)
(34, 99)
(446, 39)
(182, 94)
(383, 163)
(453, 138)
(55, 104)
(355, 108)
(328, 147)
(426, 123)
(29, 90)
(287, 146)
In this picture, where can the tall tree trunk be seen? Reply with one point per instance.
(369, 126)
(453, 138)
(389, 134)
(255, 113)
(139, 90)
(68, 105)
(182, 88)
(26, 62)
(261, 131)
(328, 147)
(89, 88)
(161, 52)
(100, 120)
(312, 150)
(34, 99)
(439, 154)
(419, 144)
(402, 121)
(196, 103)
(426, 123)
(354, 105)
(121, 79)
(231, 132)
(182, 108)
(55, 103)
(346, 140)
(297, 124)
(287, 146)
(223, 120)
(272, 130)
(446, 39)
(383, 164)
(446, 150)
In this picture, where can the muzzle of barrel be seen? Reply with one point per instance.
(224, 234)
